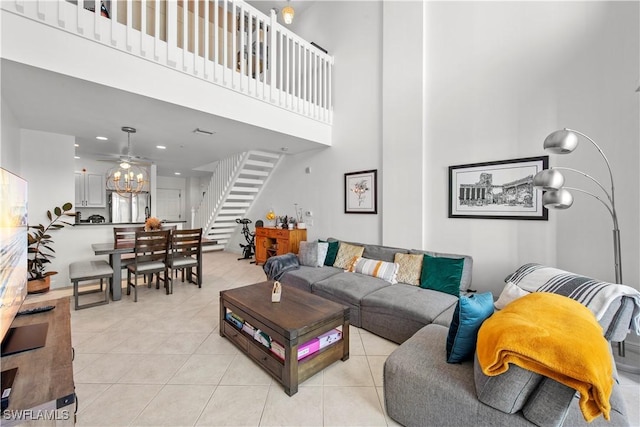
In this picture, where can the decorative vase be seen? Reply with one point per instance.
(39, 286)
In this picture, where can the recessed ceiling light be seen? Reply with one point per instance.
(176, 173)
(161, 147)
(76, 157)
(284, 149)
(76, 145)
(102, 138)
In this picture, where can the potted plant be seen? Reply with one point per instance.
(41, 251)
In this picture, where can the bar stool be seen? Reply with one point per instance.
(81, 271)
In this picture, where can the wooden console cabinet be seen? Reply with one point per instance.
(272, 241)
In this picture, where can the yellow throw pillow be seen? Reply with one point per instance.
(346, 253)
(410, 268)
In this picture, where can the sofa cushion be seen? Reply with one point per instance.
(346, 255)
(332, 251)
(349, 287)
(406, 301)
(442, 274)
(386, 271)
(507, 392)
(468, 316)
(465, 279)
(305, 277)
(410, 268)
(312, 254)
(383, 253)
(549, 403)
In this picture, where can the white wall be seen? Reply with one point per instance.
(47, 165)
(500, 78)
(351, 31)
(403, 136)
(9, 140)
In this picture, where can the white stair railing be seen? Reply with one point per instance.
(221, 179)
(230, 44)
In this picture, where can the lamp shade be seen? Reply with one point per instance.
(557, 199)
(548, 179)
(287, 14)
(561, 142)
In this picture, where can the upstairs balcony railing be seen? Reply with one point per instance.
(224, 42)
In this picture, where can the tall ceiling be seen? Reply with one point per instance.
(52, 102)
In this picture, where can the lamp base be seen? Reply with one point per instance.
(631, 361)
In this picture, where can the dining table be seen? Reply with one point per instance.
(115, 253)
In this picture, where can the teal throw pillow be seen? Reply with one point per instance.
(332, 252)
(442, 274)
(468, 316)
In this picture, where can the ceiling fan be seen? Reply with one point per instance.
(128, 158)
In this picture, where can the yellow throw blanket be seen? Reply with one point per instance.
(554, 336)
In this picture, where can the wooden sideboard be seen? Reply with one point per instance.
(272, 241)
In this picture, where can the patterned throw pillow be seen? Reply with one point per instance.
(346, 253)
(371, 267)
(410, 268)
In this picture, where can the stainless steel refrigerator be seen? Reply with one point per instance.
(130, 208)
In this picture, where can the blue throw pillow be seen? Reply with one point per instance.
(470, 312)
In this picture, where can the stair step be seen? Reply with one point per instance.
(254, 172)
(224, 224)
(259, 163)
(222, 230)
(241, 197)
(233, 211)
(249, 181)
(245, 189)
(236, 205)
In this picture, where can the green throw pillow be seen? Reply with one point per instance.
(332, 252)
(442, 274)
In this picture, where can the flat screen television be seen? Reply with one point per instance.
(13, 247)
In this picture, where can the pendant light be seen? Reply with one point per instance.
(288, 13)
(127, 178)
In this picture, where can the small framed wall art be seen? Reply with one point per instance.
(360, 190)
(497, 190)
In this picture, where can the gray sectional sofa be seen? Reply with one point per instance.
(394, 312)
(420, 387)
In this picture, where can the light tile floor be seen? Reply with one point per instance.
(162, 362)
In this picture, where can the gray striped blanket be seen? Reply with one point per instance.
(594, 294)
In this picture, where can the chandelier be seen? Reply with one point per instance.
(127, 178)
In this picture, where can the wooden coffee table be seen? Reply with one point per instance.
(298, 318)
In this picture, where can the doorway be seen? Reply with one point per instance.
(169, 205)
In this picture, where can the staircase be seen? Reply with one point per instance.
(234, 186)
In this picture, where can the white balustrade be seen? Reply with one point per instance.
(225, 42)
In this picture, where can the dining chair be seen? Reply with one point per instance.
(186, 254)
(125, 236)
(151, 250)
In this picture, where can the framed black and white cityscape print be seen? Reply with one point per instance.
(497, 190)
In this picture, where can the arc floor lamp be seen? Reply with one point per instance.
(557, 196)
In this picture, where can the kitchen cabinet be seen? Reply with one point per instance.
(90, 190)
(272, 241)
